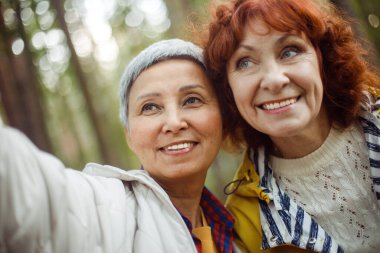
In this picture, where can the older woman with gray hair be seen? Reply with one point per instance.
(173, 124)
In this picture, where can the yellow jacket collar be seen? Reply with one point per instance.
(246, 181)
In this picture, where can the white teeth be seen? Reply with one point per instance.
(277, 105)
(179, 146)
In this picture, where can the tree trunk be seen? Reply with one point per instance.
(95, 121)
(19, 86)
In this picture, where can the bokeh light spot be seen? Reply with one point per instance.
(18, 46)
(373, 20)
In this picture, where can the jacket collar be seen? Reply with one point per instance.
(371, 127)
(282, 220)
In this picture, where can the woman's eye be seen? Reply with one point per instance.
(244, 64)
(149, 108)
(289, 52)
(192, 100)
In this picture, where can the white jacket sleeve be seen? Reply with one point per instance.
(45, 207)
(26, 196)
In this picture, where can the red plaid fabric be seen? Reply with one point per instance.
(220, 221)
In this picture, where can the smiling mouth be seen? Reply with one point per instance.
(278, 104)
(178, 146)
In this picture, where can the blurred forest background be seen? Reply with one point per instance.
(61, 60)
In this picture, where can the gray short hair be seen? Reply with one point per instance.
(157, 52)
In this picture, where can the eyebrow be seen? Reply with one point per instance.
(286, 37)
(182, 89)
(151, 94)
(278, 42)
(191, 87)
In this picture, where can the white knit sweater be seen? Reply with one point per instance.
(333, 185)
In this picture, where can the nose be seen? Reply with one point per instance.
(174, 121)
(274, 78)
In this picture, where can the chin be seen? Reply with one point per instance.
(178, 173)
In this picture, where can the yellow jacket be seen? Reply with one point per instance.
(244, 206)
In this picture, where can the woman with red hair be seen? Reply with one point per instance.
(299, 94)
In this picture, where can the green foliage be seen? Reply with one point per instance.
(368, 14)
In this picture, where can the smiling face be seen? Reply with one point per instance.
(175, 125)
(276, 82)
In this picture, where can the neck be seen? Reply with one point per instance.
(186, 197)
(303, 143)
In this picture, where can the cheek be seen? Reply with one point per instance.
(320, 92)
(311, 73)
(140, 136)
(319, 98)
(212, 126)
(316, 89)
(236, 92)
(243, 101)
(243, 89)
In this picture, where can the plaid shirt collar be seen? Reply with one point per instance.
(220, 221)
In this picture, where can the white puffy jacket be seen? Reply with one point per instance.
(45, 207)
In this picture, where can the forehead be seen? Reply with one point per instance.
(257, 26)
(169, 75)
(260, 34)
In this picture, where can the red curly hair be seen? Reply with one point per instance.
(344, 70)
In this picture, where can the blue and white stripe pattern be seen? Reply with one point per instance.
(371, 128)
(284, 222)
